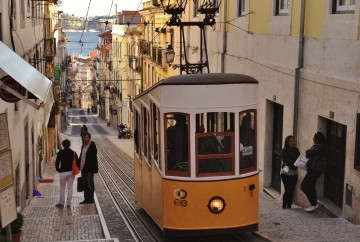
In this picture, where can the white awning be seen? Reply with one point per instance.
(25, 74)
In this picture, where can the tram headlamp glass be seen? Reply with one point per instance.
(216, 205)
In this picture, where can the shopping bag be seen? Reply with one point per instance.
(301, 162)
(75, 168)
(80, 187)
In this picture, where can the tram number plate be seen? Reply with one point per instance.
(180, 197)
(180, 202)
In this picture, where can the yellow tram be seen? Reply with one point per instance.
(195, 154)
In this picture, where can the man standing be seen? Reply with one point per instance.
(88, 167)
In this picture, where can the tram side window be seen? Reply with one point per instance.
(177, 143)
(215, 143)
(247, 141)
(145, 129)
(155, 132)
(136, 132)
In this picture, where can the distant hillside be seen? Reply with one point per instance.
(97, 23)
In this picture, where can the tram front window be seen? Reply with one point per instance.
(177, 130)
(215, 144)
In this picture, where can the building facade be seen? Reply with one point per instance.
(28, 59)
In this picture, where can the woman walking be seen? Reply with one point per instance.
(63, 165)
(289, 173)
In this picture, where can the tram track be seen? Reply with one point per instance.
(119, 182)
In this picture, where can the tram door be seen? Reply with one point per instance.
(277, 146)
(335, 162)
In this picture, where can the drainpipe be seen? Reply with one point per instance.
(12, 24)
(299, 67)
(223, 54)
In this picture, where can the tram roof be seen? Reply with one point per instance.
(208, 79)
(204, 79)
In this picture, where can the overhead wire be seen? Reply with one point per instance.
(87, 13)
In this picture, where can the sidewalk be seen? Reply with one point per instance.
(45, 222)
(277, 224)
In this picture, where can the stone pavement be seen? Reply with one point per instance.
(45, 222)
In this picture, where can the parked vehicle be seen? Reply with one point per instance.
(124, 132)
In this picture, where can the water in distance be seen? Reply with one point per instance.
(89, 42)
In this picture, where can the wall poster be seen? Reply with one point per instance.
(6, 170)
(7, 206)
(4, 133)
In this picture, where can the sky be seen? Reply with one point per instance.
(97, 7)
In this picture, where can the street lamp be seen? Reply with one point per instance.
(208, 8)
(170, 54)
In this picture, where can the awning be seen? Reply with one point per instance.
(25, 74)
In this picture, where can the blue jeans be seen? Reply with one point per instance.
(89, 187)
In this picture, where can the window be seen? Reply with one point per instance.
(216, 5)
(282, 7)
(22, 10)
(247, 141)
(214, 144)
(357, 144)
(145, 133)
(241, 7)
(155, 132)
(196, 7)
(13, 3)
(177, 143)
(343, 6)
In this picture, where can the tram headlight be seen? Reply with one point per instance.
(216, 204)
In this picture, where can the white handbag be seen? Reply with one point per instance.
(301, 162)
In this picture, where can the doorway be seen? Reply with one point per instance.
(335, 162)
(277, 133)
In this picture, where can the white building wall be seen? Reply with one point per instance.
(25, 37)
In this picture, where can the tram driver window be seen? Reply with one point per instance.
(177, 143)
(215, 143)
(247, 141)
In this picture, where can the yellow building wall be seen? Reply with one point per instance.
(231, 14)
(295, 17)
(314, 18)
(260, 19)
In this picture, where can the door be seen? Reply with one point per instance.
(335, 162)
(277, 146)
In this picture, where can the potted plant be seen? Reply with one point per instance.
(16, 226)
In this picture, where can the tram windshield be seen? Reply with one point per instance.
(215, 143)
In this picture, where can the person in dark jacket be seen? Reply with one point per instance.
(315, 166)
(289, 173)
(88, 167)
(63, 165)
